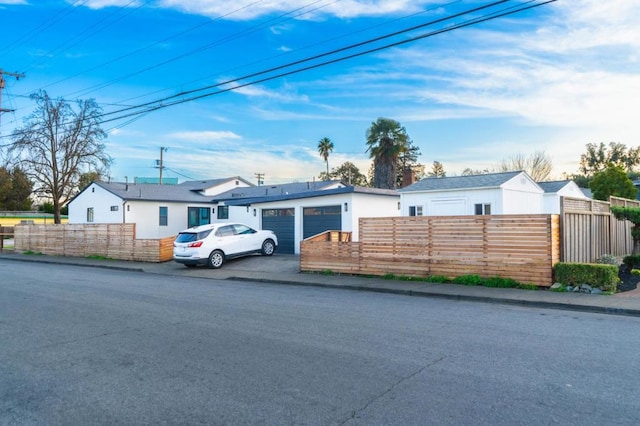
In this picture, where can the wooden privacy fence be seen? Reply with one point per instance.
(590, 230)
(522, 247)
(114, 241)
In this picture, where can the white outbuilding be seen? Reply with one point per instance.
(492, 193)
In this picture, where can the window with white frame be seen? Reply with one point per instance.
(90, 214)
(481, 209)
(415, 210)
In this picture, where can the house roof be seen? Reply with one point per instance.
(276, 190)
(553, 186)
(151, 192)
(202, 185)
(311, 194)
(490, 180)
(190, 191)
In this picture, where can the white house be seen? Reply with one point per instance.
(493, 193)
(296, 216)
(157, 210)
(556, 189)
(294, 210)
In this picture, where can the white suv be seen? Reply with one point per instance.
(212, 244)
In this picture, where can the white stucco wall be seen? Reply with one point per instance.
(452, 202)
(359, 205)
(101, 201)
(521, 195)
(145, 214)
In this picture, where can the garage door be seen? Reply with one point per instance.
(281, 221)
(320, 219)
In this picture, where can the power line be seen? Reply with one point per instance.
(160, 102)
(164, 40)
(43, 26)
(100, 26)
(304, 48)
(208, 46)
(399, 43)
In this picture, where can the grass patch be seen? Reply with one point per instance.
(36, 253)
(98, 257)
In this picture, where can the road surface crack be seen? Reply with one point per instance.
(391, 388)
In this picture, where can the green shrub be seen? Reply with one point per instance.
(499, 282)
(608, 259)
(437, 279)
(389, 276)
(602, 276)
(632, 261)
(468, 280)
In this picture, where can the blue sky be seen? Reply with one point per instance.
(553, 78)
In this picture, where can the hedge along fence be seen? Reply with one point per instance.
(521, 247)
(115, 241)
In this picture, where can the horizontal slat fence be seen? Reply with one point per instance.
(114, 241)
(589, 229)
(522, 247)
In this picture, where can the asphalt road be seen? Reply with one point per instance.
(93, 346)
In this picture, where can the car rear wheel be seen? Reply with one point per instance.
(216, 259)
(268, 247)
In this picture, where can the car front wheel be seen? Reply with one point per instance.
(216, 259)
(268, 247)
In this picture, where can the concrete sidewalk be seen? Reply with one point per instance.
(285, 269)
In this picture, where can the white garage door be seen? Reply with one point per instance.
(447, 207)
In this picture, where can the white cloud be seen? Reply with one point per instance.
(204, 136)
(250, 10)
(99, 4)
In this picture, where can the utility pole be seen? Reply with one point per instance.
(18, 76)
(162, 149)
(260, 177)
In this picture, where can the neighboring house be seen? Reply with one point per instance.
(294, 210)
(493, 193)
(157, 210)
(556, 189)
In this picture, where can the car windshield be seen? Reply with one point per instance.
(187, 237)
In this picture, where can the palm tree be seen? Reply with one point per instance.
(325, 146)
(386, 140)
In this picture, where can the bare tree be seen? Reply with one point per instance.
(57, 144)
(538, 165)
(437, 170)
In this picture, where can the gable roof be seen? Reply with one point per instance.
(203, 185)
(190, 191)
(490, 180)
(277, 190)
(553, 186)
(152, 192)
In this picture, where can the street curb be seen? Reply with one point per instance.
(85, 265)
(403, 292)
(458, 297)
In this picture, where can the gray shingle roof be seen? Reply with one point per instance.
(310, 194)
(151, 192)
(553, 186)
(490, 180)
(274, 190)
